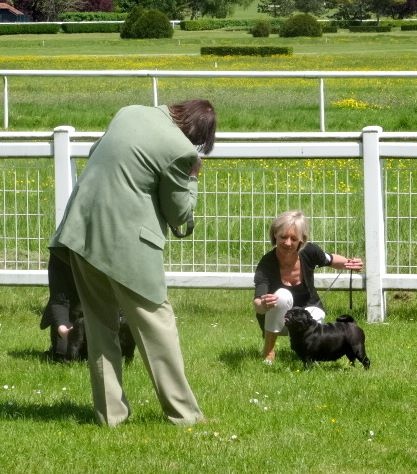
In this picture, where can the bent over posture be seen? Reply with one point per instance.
(140, 178)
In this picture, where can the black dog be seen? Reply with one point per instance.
(313, 341)
(77, 342)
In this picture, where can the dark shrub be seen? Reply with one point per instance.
(301, 25)
(131, 19)
(261, 29)
(152, 24)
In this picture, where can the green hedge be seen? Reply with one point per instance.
(245, 50)
(328, 28)
(29, 28)
(370, 29)
(408, 27)
(92, 16)
(91, 27)
(230, 24)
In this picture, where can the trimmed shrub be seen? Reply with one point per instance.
(131, 19)
(141, 23)
(92, 16)
(408, 27)
(152, 24)
(300, 25)
(261, 29)
(370, 29)
(91, 27)
(245, 50)
(228, 24)
(328, 29)
(29, 28)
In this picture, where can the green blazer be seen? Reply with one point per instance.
(135, 183)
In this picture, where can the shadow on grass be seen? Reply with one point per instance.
(236, 357)
(62, 411)
(30, 354)
(65, 411)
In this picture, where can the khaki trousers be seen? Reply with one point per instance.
(154, 330)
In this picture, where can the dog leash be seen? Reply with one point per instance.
(350, 287)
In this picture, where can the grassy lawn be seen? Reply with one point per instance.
(261, 419)
(279, 419)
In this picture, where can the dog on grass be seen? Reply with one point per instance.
(313, 341)
(77, 342)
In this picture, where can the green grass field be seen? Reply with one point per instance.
(279, 419)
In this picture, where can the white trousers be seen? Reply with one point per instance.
(275, 317)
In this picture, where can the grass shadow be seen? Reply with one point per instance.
(236, 357)
(27, 354)
(61, 411)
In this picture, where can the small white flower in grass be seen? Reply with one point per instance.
(255, 401)
(64, 389)
(6, 387)
(233, 438)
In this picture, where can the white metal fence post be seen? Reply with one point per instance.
(64, 170)
(374, 224)
(155, 90)
(322, 112)
(5, 104)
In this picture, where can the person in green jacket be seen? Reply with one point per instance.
(140, 179)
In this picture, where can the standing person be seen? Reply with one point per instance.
(141, 177)
(284, 277)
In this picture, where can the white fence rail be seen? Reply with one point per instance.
(266, 198)
(320, 76)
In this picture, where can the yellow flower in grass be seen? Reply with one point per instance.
(354, 104)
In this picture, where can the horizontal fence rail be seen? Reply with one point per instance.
(320, 76)
(366, 205)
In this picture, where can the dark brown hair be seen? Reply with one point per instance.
(197, 120)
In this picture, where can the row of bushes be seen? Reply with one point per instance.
(245, 51)
(53, 28)
(370, 29)
(212, 23)
(92, 16)
(29, 28)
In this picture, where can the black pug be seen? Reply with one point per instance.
(313, 341)
(77, 342)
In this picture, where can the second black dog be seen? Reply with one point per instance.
(313, 341)
(77, 342)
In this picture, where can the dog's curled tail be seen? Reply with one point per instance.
(345, 318)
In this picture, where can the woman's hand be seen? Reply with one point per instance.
(354, 264)
(265, 302)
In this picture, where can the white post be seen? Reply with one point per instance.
(5, 104)
(374, 224)
(322, 112)
(155, 90)
(64, 170)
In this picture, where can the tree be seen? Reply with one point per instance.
(310, 6)
(276, 8)
(350, 10)
(47, 10)
(98, 6)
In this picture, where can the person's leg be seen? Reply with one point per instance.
(101, 319)
(154, 330)
(275, 323)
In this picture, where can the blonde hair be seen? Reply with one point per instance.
(289, 219)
